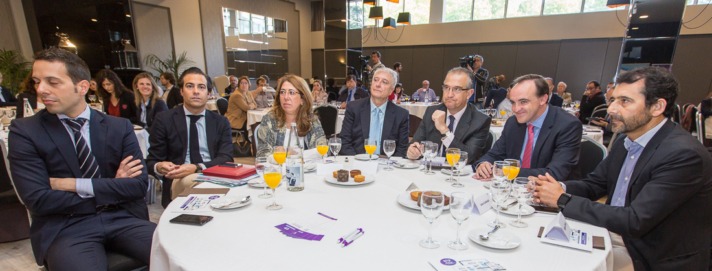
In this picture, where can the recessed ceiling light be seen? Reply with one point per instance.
(643, 16)
(128, 15)
(634, 28)
(94, 20)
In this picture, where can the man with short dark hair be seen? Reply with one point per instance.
(593, 97)
(232, 86)
(544, 138)
(658, 180)
(187, 139)
(351, 92)
(172, 95)
(554, 98)
(79, 172)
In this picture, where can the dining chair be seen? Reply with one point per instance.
(591, 154)
(413, 125)
(221, 103)
(327, 117)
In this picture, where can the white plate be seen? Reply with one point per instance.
(465, 171)
(514, 210)
(406, 164)
(365, 157)
(309, 167)
(230, 202)
(332, 180)
(404, 199)
(501, 239)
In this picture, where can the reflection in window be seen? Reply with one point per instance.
(356, 17)
(522, 8)
(488, 9)
(552, 7)
(457, 10)
(419, 11)
(595, 5)
(244, 22)
(258, 23)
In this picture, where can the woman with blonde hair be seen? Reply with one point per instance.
(293, 104)
(239, 103)
(148, 102)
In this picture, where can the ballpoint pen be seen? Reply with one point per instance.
(350, 235)
(348, 242)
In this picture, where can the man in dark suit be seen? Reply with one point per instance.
(593, 97)
(187, 139)
(172, 95)
(658, 180)
(455, 123)
(554, 99)
(6, 97)
(74, 169)
(351, 92)
(544, 138)
(376, 118)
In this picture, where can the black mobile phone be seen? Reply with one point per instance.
(197, 220)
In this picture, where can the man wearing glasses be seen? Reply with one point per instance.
(590, 101)
(455, 123)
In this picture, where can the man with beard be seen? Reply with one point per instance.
(657, 179)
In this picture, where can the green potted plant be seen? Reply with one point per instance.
(14, 68)
(173, 64)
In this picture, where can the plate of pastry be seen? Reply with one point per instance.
(411, 199)
(349, 178)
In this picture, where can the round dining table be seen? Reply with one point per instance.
(416, 108)
(246, 238)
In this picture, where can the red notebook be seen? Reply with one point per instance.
(230, 171)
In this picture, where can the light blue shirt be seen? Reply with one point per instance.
(378, 113)
(537, 123)
(202, 137)
(635, 148)
(84, 187)
(420, 95)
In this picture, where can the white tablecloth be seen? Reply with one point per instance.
(254, 116)
(416, 109)
(246, 238)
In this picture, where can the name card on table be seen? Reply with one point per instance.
(482, 204)
(559, 232)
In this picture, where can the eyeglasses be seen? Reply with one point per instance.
(456, 89)
(291, 92)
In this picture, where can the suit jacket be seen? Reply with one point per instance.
(359, 93)
(169, 138)
(40, 148)
(357, 124)
(556, 100)
(151, 111)
(665, 223)
(588, 104)
(470, 133)
(495, 96)
(556, 150)
(174, 98)
(127, 106)
(238, 105)
(9, 98)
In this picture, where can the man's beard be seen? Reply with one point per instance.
(630, 124)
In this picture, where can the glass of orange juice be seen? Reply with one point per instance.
(370, 146)
(322, 147)
(452, 155)
(280, 155)
(511, 171)
(273, 177)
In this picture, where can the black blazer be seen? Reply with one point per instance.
(495, 96)
(9, 98)
(40, 148)
(127, 106)
(556, 100)
(470, 133)
(20, 103)
(357, 124)
(151, 112)
(358, 94)
(587, 106)
(174, 98)
(665, 223)
(556, 150)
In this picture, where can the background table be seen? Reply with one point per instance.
(416, 109)
(246, 238)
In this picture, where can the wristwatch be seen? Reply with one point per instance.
(198, 168)
(444, 136)
(563, 200)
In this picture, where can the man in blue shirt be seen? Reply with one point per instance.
(351, 92)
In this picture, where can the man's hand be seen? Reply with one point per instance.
(63, 184)
(164, 167)
(415, 150)
(484, 170)
(129, 168)
(343, 105)
(600, 123)
(182, 171)
(439, 121)
(547, 190)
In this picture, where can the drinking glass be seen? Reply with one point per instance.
(335, 146)
(92, 98)
(511, 171)
(521, 191)
(452, 155)
(432, 150)
(322, 147)
(437, 99)
(498, 170)
(260, 163)
(461, 163)
(389, 147)
(370, 146)
(499, 189)
(461, 204)
(431, 205)
(273, 176)
(280, 155)
(426, 155)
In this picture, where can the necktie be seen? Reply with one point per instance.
(2, 97)
(451, 128)
(375, 131)
(194, 145)
(87, 162)
(527, 156)
(351, 94)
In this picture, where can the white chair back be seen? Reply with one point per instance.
(221, 82)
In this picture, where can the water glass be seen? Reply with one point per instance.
(520, 189)
(335, 146)
(389, 147)
(260, 163)
(499, 190)
(498, 170)
(461, 163)
(431, 206)
(461, 204)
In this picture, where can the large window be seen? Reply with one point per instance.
(522, 8)
(488, 9)
(552, 7)
(595, 5)
(457, 10)
(699, 2)
(419, 11)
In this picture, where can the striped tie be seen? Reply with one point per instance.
(87, 162)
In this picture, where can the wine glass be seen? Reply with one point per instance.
(521, 191)
(322, 147)
(273, 176)
(426, 155)
(389, 147)
(335, 146)
(461, 163)
(431, 205)
(511, 171)
(499, 189)
(260, 163)
(461, 204)
(437, 99)
(498, 170)
(432, 152)
(92, 98)
(370, 146)
(10, 113)
(452, 155)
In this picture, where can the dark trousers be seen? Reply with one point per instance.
(166, 191)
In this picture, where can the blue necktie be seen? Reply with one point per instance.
(375, 130)
(351, 93)
(87, 161)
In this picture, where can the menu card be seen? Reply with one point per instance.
(482, 204)
(559, 232)
(464, 263)
(197, 203)
(309, 226)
